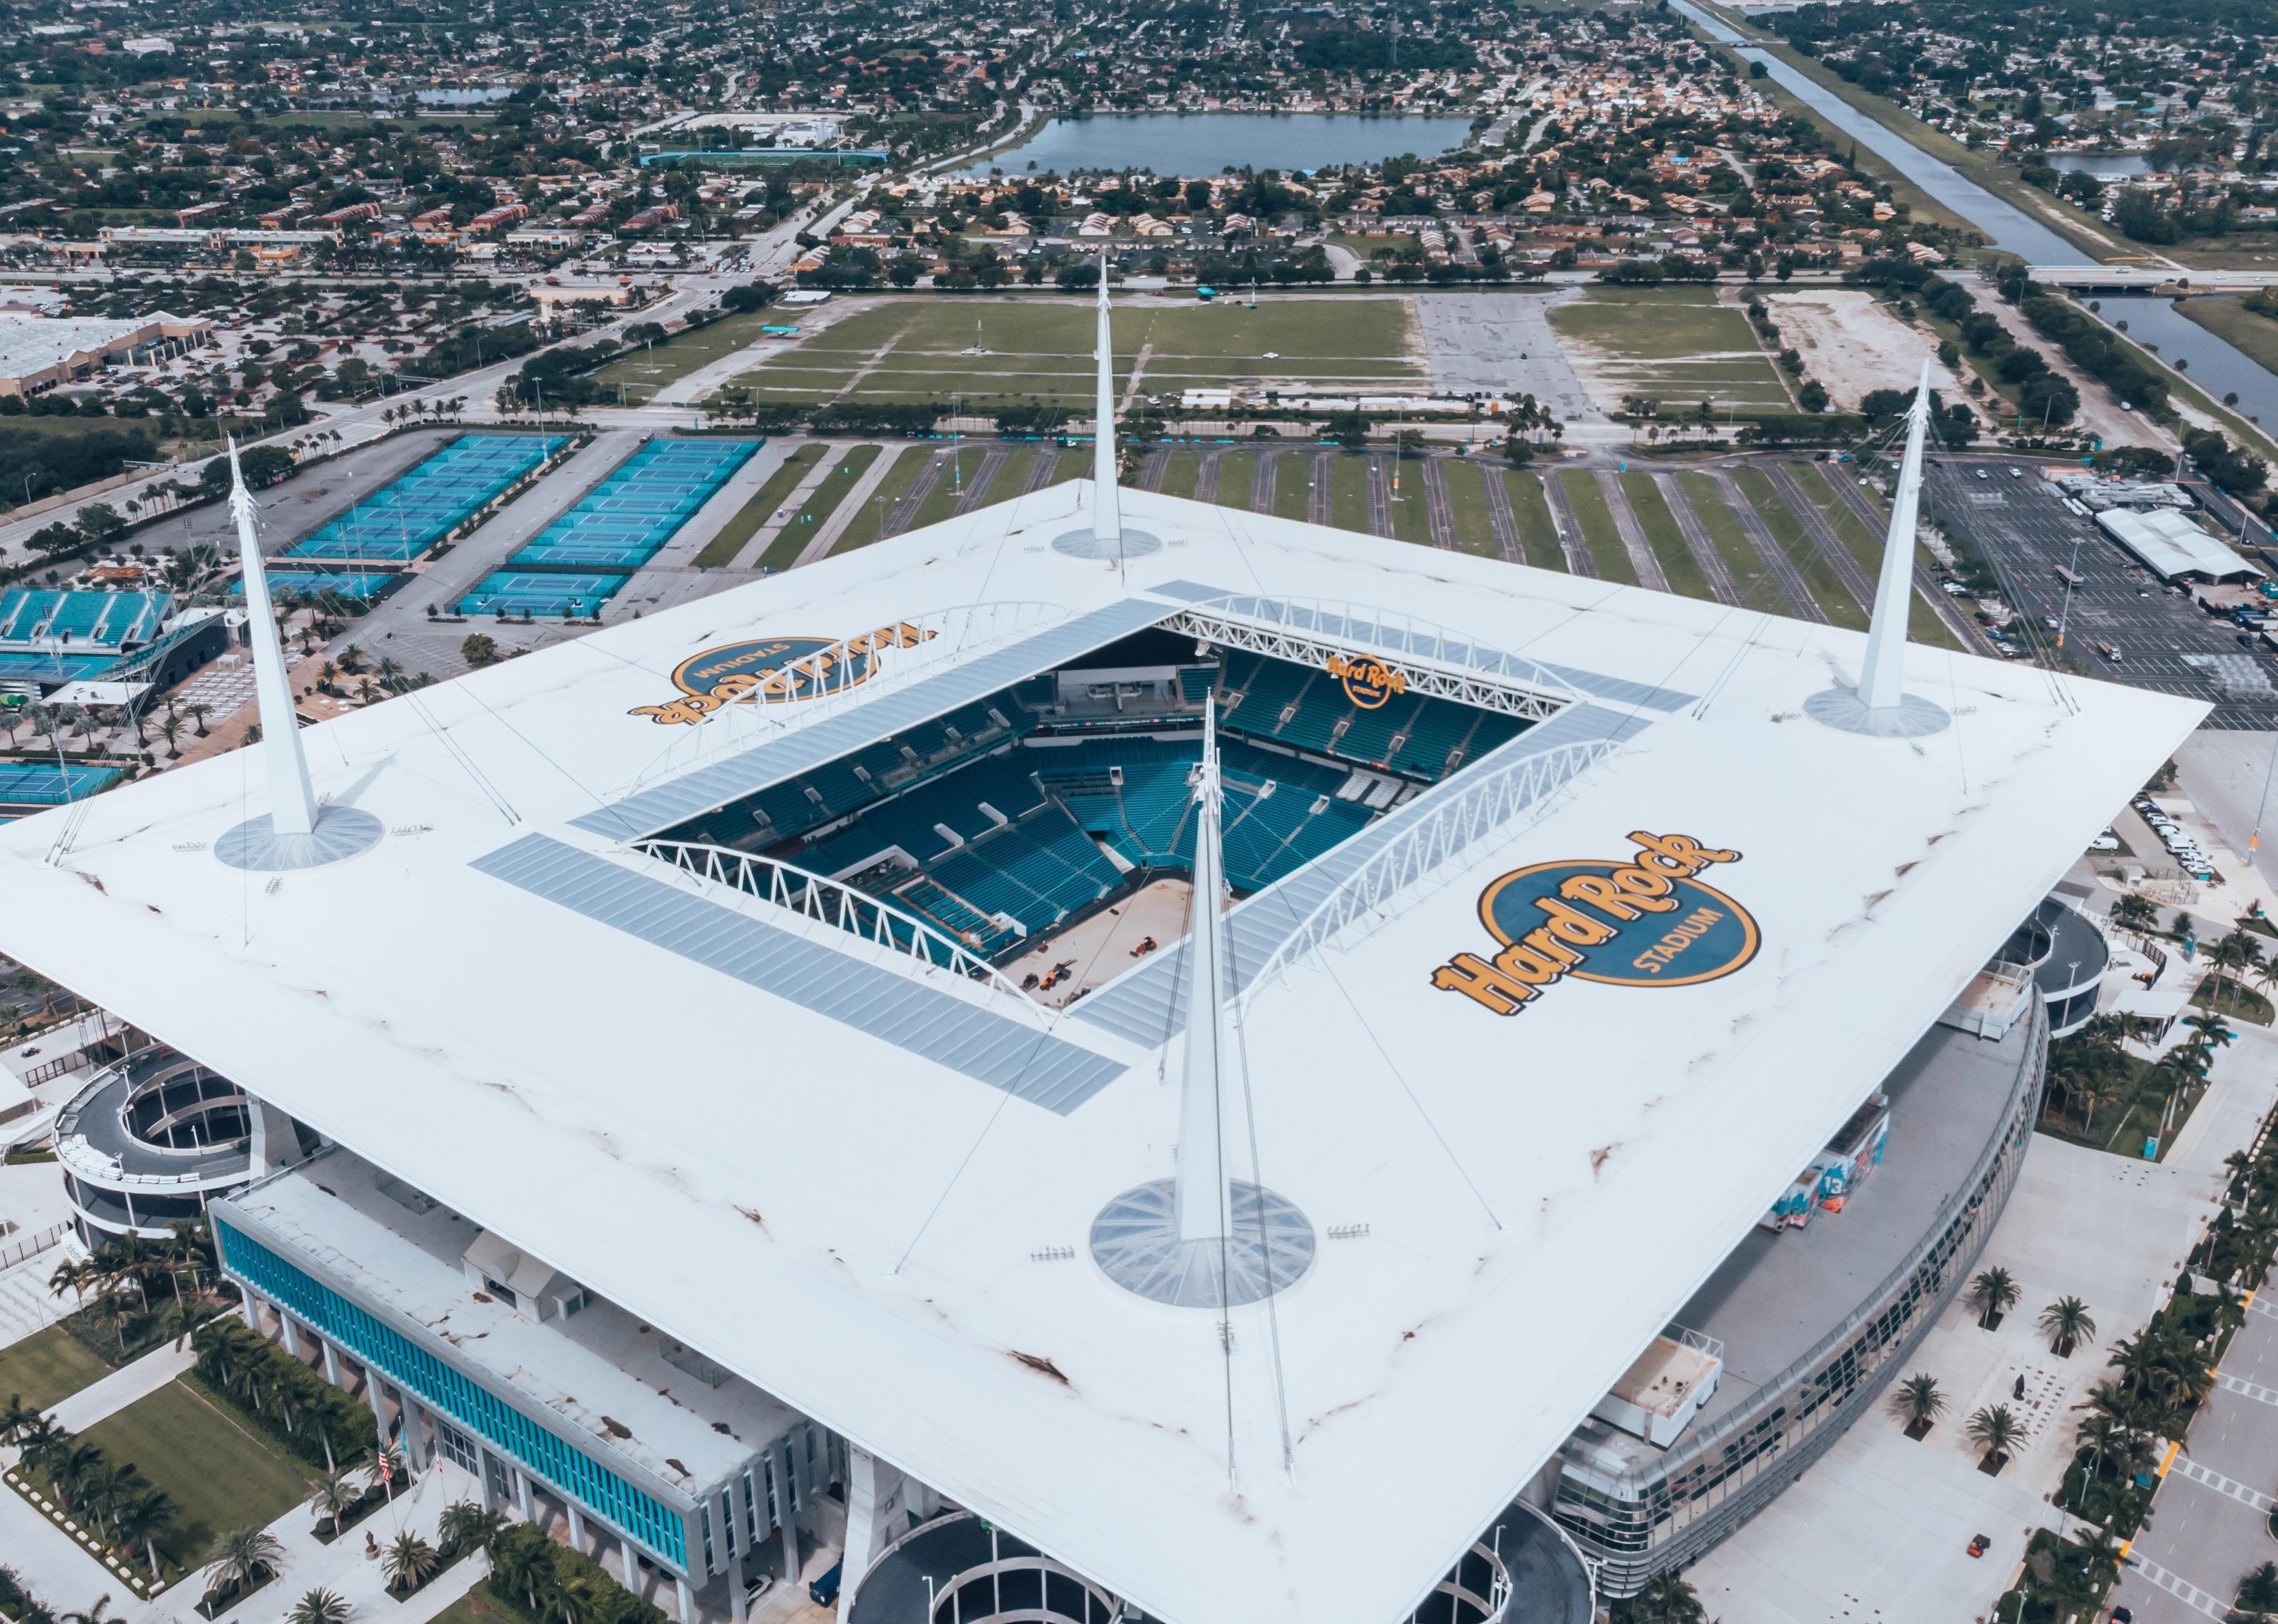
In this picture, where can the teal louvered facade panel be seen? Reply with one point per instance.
(453, 1394)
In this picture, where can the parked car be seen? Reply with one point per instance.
(824, 1591)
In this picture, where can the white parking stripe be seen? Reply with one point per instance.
(2247, 1390)
(2183, 1589)
(2185, 1467)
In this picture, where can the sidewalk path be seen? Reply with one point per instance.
(114, 1392)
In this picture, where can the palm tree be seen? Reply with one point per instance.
(1993, 1428)
(141, 1519)
(1667, 1598)
(1918, 1399)
(465, 1526)
(521, 1563)
(2258, 1592)
(197, 710)
(170, 728)
(99, 1613)
(334, 1498)
(320, 1606)
(2068, 1324)
(241, 1559)
(1995, 1291)
(408, 1562)
(2132, 911)
(16, 1419)
(70, 1468)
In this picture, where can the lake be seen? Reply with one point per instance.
(2102, 162)
(1205, 143)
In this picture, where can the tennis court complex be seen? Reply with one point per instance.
(405, 517)
(356, 586)
(573, 565)
(547, 592)
(51, 783)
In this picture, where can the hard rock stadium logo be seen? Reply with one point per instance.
(775, 671)
(1368, 681)
(1644, 920)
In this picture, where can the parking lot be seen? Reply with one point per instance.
(2164, 640)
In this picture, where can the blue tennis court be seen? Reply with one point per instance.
(357, 588)
(407, 517)
(627, 518)
(51, 783)
(550, 593)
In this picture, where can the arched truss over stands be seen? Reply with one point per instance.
(834, 902)
(1433, 660)
(1475, 806)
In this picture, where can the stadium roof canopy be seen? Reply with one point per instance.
(851, 1180)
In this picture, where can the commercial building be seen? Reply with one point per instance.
(39, 353)
(1290, 1076)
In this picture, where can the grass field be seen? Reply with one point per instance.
(1676, 344)
(1013, 478)
(940, 502)
(1348, 492)
(1659, 524)
(1180, 468)
(1819, 576)
(1293, 483)
(219, 1475)
(799, 529)
(1034, 349)
(1817, 480)
(1467, 505)
(1538, 533)
(46, 1366)
(1742, 561)
(1237, 472)
(1410, 505)
(642, 372)
(1599, 534)
(721, 550)
(863, 528)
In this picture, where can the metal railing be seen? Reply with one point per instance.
(1431, 658)
(76, 1153)
(1475, 807)
(834, 902)
(949, 1607)
(16, 1250)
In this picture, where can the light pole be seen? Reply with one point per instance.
(2064, 615)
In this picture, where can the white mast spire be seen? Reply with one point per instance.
(1107, 504)
(1201, 1198)
(1882, 679)
(292, 800)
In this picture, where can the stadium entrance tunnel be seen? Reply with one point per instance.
(957, 1569)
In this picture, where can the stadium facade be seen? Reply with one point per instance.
(1141, 1057)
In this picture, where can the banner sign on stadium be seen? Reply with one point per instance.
(1368, 681)
(775, 671)
(1643, 920)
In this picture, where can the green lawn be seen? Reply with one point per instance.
(1348, 492)
(1676, 344)
(1237, 472)
(642, 372)
(721, 550)
(46, 1366)
(1538, 532)
(1742, 561)
(863, 528)
(1599, 533)
(1181, 470)
(1411, 504)
(800, 529)
(1467, 504)
(1293, 483)
(1041, 348)
(1817, 481)
(218, 1472)
(1819, 576)
(1013, 478)
(942, 500)
(1662, 534)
